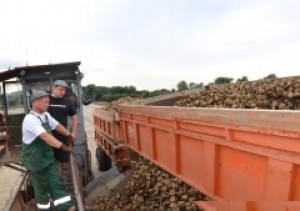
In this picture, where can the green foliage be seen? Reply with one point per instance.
(223, 80)
(194, 85)
(89, 91)
(270, 76)
(111, 97)
(244, 78)
(159, 92)
(182, 85)
(144, 94)
(102, 93)
(14, 99)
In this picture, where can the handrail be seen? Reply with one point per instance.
(80, 206)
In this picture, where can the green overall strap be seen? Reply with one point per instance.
(45, 124)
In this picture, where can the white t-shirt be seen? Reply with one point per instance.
(32, 126)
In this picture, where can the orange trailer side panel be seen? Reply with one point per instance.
(241, 156)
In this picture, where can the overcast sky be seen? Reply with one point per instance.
(154, 44)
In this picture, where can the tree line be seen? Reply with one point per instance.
(103, 93)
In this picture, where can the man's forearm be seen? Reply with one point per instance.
(62, 130)
(53, 142)
(50, 140)
(74, 124)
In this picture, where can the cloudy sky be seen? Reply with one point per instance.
(154, 44)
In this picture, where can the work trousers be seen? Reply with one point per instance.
(49, 181)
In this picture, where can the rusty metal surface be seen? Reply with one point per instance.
(262, 119)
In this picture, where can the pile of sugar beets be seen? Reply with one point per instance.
(150, 189)
(112, 106)
(276, 94)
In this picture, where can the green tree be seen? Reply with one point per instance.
(182, 85)
(102, 93)
(118, 90)
(144, 94)
(244, 78)
(89, 91)
(270, 76)
(223, 80)
(13, 100)
(131, 90)
(195, 85)
(159, 92)
(191, 85)
(112, 97)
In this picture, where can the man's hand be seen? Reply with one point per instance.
(66, 148)
(73, 134)
(71, 139)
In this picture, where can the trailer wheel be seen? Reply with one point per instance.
(104, 161)
(107, 162)
(101, 159)
(97, 153)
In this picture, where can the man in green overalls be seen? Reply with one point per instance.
(38, 158)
